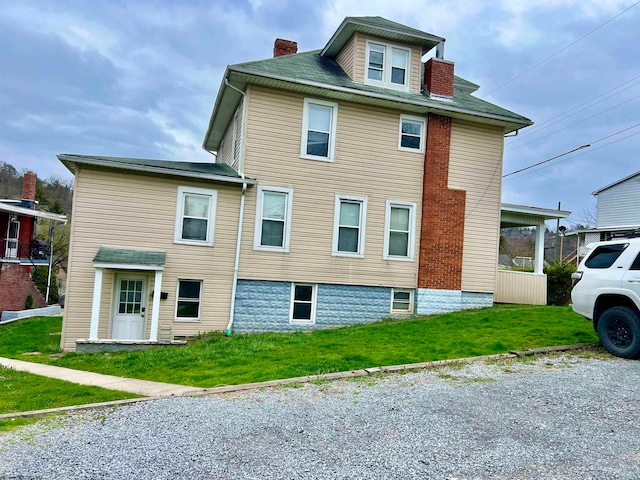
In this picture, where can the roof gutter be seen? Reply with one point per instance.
(426, 104)
(150, 169)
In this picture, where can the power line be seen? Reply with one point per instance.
(586, 145)
(547, 160)
(574, 124)
(535, 131)
(560, 51)
(580, 154)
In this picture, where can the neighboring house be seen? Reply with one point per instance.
(617, 214)
(351, 183)
(19, 250)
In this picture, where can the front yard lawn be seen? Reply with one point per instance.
(22, 392)
(217, 360)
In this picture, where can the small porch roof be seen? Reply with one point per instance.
(512, 215)
(130, 259)
(29, 212)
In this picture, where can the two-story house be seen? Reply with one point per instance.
(19, 249)
(351, 183)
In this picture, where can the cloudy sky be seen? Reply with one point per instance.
(139, 78)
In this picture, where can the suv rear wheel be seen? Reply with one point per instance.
(619, 331)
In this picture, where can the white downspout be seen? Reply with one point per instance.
(236, 265)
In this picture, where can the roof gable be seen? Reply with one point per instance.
(618, 182)
(380, 27)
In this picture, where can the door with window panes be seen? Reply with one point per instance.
(130, 305)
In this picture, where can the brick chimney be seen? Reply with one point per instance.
(438, 77)
(29, 186)
(283, 47)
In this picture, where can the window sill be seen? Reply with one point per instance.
(262, 248)
(192, 242)
(411, 150)
(397, 259)
(186, 320)
(348, 255)
(390, 86)
(302, 322)
(319, 159)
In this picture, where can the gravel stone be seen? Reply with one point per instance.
(553, 417)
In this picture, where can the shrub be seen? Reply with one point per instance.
(39, 275)
(28, 305)
(559, 283)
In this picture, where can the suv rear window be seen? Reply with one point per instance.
(605, 255)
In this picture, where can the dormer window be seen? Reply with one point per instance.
(388, 66)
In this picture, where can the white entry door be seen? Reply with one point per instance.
(130, 306)
(12, 239)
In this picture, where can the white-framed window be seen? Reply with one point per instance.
(273, 219)
(304, 298)
(349, 222)
(388, 65)
(412, 133)
(401, 300)
(188, 300)
(399, 230)
(319, 120)
(195, 216)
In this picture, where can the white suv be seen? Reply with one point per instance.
(606, 289)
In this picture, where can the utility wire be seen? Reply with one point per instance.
(574, 124)
(560, 51)
(586, 145)
(580, 154)
(547, 160)
(535, 131)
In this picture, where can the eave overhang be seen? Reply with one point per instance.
(351, 25)
(228, 99)
(71, 162)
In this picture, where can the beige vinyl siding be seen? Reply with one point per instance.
(125, 209)
(415, 80)
(345, 57)
(476, 167)
(225, 151)
(231, 146)
(367, 163)
(520, 287)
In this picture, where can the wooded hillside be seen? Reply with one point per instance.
(54, 194)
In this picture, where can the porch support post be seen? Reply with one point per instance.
(155, 312)
(539, 256)
(95, 306)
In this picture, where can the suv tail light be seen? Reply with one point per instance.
(575, 278)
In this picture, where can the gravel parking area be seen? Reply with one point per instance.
(556, 417)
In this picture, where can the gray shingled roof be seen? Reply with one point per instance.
(205, 171)
(384, 23)
(310, 66)
(130, 256)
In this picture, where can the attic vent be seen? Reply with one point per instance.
(284, 47)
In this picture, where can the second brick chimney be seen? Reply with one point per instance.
(438, 77)
(283, 47)
(29, 186)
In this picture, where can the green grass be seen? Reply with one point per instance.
(22, 392)
(218, 360)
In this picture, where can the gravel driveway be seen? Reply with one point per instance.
(563, 417)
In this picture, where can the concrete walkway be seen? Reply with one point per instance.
(145, 388)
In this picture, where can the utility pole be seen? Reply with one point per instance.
(556, 251)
